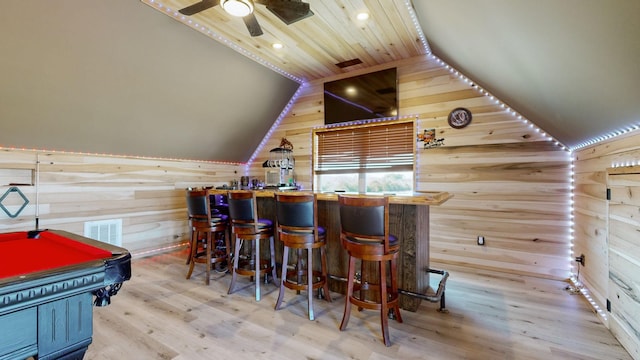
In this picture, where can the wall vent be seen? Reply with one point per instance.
(108, 231)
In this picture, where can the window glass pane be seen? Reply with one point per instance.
(333, 182)
(393, 182)
(397, 182)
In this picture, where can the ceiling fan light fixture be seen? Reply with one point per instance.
(239, 8)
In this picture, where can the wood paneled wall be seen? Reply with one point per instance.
(511, 184)
(624, 256)
(591, 208)
(148, 195)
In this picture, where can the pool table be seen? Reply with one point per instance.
(49, 282)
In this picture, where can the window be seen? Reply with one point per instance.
(368, 158)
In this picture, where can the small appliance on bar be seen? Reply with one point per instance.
(279, 168)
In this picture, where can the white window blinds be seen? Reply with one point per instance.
(382, 147)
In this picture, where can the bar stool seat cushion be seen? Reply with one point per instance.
(321, 231)
(393, 240)
(219, 218)
(216, 220)
(262, 224)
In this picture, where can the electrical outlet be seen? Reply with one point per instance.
(480, 240)
(580, 259)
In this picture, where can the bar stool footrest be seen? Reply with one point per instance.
(318, 282)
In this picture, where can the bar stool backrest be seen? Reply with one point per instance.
(242, 206)
(198, 206)
(243, 210)
(365, 218)
(296, 210)
(297, 215)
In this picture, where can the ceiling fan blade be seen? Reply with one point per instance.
(252, 25)
(199, 6)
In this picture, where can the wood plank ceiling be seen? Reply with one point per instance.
(312, 47)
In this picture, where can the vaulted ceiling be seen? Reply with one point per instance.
(139, 78)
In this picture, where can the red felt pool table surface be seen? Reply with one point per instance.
(20, 255)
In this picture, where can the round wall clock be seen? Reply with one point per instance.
(459, 118)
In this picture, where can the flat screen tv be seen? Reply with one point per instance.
(368, 96)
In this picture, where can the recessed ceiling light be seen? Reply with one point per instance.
(277, 46)
(363, 16)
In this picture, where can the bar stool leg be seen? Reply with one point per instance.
(310, 283)
(257, 268)
(384, 306)
(191, 246)
(323, 261)
(298, 268)
(394, 288)
(236, 256)
(227, 245)
(273, 259)
(230, 250)
(209, 251)
(283, 276)
(364, 283)
(193, 251)
(347, 304)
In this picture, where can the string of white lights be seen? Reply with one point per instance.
(571, 214)
(275, 125)
(607, 136)
(208, 32)
(123, 156)
(366, 121)
(144, 253)
(579, 286)
(473, 84)
(626, 163)
(496, 101)
(589, 142)
(416, 24)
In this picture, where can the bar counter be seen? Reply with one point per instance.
(408, 219)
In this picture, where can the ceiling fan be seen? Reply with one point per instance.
(289, 11)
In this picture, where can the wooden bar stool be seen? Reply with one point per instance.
(297, 226)
(215, 215)
(364, 234)
(214, 249)
(247, 228)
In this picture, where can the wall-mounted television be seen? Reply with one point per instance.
(368, 96)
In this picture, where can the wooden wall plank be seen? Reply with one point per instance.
(147, 194)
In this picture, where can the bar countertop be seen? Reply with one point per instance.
(417, 198)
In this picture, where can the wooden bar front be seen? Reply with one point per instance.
(408, 220)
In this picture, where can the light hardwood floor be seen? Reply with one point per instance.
(160, 315)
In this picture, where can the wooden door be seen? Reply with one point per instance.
(624, 256)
